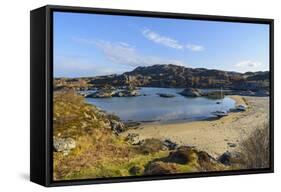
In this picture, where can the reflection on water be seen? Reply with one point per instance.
(154, 108)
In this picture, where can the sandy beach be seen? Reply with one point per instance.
(213, 136)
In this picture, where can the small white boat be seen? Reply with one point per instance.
(241, 107)
(220, 113)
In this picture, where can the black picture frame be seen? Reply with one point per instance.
(41, 61)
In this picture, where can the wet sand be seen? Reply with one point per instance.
(213, 136)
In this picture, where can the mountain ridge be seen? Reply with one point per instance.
(170, 75)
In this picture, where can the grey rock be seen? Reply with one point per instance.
(191, 92)
(231, 144)
(117, 126)
(64, 145)
(133, 138)
(229, 158)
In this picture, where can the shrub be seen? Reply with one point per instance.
(255, 150)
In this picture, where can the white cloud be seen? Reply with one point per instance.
(166, 41)
(194, 47)
(170, 42)
(249, 65)
(124, 53)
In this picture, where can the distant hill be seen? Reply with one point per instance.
(169, 75)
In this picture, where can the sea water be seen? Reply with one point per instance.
(151, 107)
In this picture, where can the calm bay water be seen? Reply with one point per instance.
(155, 108)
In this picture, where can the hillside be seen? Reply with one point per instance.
(174, 76)
(87, 144)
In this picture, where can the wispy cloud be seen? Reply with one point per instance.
(78, 65)
(123, 53)
(126, 54)
(160, 39)
(249, 65)
(194, 47)
(169, 42)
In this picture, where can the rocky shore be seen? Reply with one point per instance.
(213, 136)
(193, 92)
(106, 92)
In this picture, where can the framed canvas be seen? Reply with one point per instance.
(119, 95)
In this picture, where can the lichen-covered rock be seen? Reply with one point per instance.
(63, 145)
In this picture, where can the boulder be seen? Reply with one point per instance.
(182, 155)
(63, 145)
(204, 157)
(160, 168)
(229, 158)
(191, 92)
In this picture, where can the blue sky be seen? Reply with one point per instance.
(92, 44)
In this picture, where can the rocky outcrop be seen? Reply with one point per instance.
(101, 94)
(191, 92)
(105, 93)
(174, 76)
(126, 93)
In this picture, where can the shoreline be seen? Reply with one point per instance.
(238, 101)
(214, 136)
